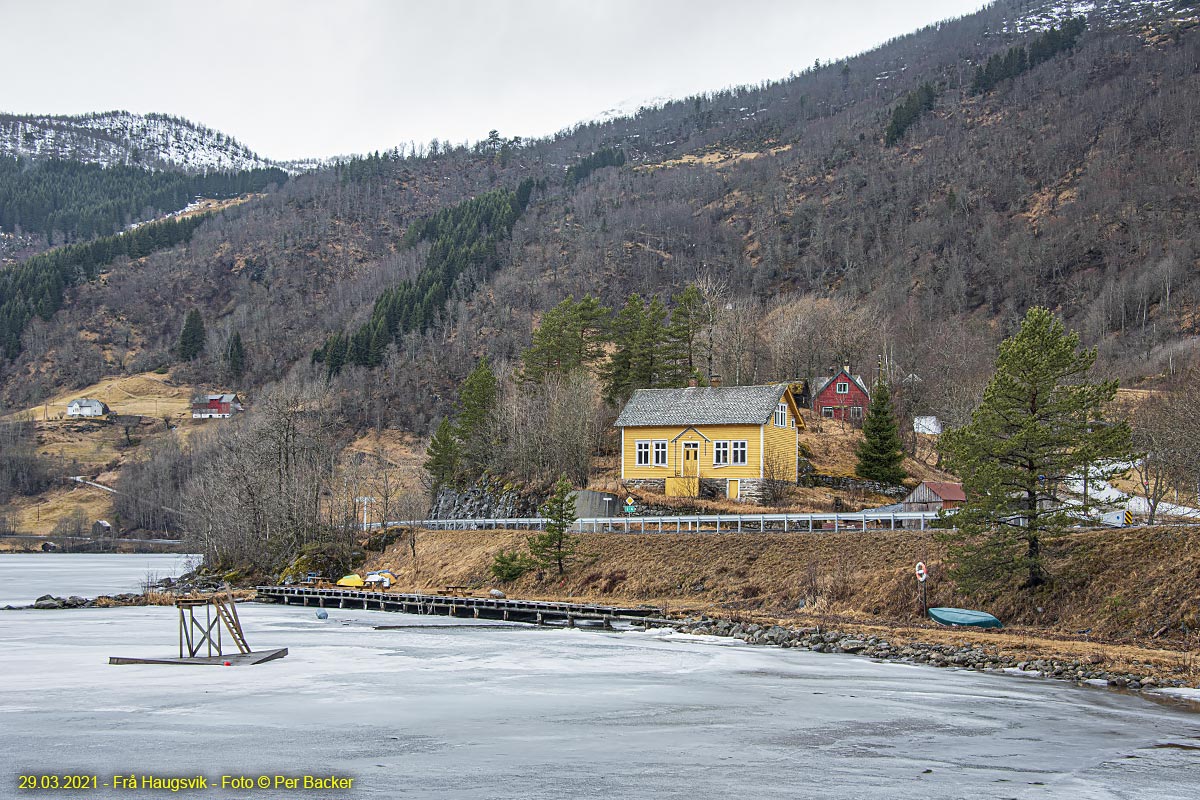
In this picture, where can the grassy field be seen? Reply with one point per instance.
(97, 447)
(146, 394)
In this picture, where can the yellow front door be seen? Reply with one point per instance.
(733, 489)
(691, 459)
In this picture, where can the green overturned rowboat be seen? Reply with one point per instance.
(964, 616)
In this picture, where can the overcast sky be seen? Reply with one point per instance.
(297, 78)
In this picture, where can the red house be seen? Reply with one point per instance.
(215, 406)
(843, 396)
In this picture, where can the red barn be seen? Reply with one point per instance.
(935, 496)
(843, 396)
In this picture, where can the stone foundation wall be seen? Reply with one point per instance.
(649, 484)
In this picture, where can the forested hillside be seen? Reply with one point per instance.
(911, 201)
(67, 201)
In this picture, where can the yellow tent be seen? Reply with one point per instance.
(350, 580)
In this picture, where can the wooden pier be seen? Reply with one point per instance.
(537, 612)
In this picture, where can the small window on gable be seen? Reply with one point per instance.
(781, 415)
(843, 387)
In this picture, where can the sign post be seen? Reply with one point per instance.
(630, 506)
(922, 574)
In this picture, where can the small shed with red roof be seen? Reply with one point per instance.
(935, 496)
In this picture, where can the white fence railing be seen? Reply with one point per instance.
(720, 523)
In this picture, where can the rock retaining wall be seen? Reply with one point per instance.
(483, 501)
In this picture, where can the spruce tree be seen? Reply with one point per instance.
(191, 339)
(235, 357)
(880, 455)
(1036, 429)
(556, 546)
(442, 460)
(617, 372)
(476, 401)
(683, 335)
(648, 364)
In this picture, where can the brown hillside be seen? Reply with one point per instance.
(1135, 585)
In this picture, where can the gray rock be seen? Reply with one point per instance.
(852, 645)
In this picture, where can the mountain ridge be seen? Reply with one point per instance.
(989, 202)
(157, 141)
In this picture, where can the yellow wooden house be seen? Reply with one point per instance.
(711, 440)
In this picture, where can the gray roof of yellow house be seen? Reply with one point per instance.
(702, 405)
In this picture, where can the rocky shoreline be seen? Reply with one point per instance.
(49, 602)
(966, 656)
(160, 593)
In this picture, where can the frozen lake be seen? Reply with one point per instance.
(442, 709)
(24, 577)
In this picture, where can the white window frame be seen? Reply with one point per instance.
(781, 415)
(856, 412)
(827, 412)
(642, 452)
(659, 450)
(731, 453)
(842, 387)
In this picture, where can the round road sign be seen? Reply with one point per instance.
(921, 571)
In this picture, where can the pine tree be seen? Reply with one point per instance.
(235, 357)
(191, 339)
(880, 455)
(443, 456)
(555, 546)
(1036, 429)
(571, 336)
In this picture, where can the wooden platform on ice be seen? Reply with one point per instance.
(234, 659)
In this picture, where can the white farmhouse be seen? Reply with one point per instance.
(86, 407)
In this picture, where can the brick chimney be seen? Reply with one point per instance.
(714, 381)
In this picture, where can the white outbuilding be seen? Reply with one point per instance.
(927, 425)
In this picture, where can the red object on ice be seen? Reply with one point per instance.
(228, 664)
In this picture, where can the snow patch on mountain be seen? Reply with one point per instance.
(1033, 17)
(156, 141)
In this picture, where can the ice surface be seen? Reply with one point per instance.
(446, 708)
(26, 576)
